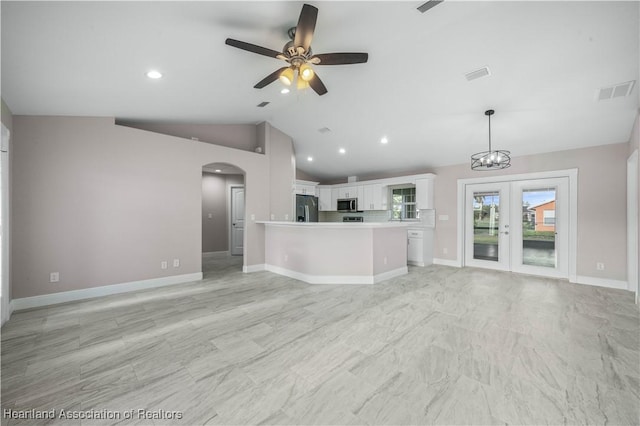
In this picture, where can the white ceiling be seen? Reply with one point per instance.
(547, 60)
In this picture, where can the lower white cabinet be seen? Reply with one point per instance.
(420, 246)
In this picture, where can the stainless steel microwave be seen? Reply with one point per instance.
(347, 205)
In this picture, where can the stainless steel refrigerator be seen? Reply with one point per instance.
(306, 208)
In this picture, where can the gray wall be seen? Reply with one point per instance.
(238, 136)
(283, 169)
(601, 204)
(105, 204)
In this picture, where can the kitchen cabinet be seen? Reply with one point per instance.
(424, 194)
(335, 194)
(325, 202)
(420, 246)
(348, 192)
(305, 189)
(415, 248)
(374, 197)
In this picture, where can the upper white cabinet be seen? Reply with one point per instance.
(371, 195)
(325, 202)
(374, 197)
(305, 187)
(424, 194)
(348, 191)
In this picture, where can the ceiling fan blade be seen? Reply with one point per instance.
(252, 48)
(340, 58)
(306, 27)
(317, 85)
(270, 78)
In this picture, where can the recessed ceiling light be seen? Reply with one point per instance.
(154, 74)
(342, 151)
(218, 171)
(309, 158)
(284, 91)
(384, 140)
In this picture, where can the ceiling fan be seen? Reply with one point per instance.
(298, 54)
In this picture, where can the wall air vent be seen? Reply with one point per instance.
(476, 74)
(428, 5)
(324, 130)
(617, 91)
(263, 104)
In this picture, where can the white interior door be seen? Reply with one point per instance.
(237, 220)
(4, 225)
(540, 227)
(520, 226)
(632, 223)
(487, 226)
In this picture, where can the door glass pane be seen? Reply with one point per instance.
(539, 227)
(486, 222)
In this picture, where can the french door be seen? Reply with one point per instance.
(520, 226)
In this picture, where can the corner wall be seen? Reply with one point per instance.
(104, 204)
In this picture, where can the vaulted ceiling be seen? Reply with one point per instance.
(547, 62)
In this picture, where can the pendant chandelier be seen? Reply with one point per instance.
(492, 159)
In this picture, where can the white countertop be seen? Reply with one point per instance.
(359, 225)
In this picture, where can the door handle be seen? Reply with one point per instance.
(505, 233)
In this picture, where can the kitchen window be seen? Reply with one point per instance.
(403, 203)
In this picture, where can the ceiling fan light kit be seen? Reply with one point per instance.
(491, 159)
(298, 54)
(287, 76)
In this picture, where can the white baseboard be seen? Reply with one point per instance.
(390, 274)
(602, 282)
(413, 263)
(216, 254)
(337, 279)
(247, 269)
(90, 293)
(7, 315)
(447, 262)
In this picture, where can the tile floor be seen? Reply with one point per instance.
(438, 346)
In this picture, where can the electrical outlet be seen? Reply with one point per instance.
(253, 217)
(210, 216)
(600, 266)
(54, 277)
(176, 263)
(163, 264)
(445, 250)
(286, 217)
(385, 260)
(286, 257)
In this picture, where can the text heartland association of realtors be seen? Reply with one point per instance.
(140, 414)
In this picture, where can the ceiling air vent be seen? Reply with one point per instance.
(617, 91)
(324, 130)
(263, 104)
(428, 5)
(474, 75)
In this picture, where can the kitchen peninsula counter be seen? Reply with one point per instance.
(336, 252)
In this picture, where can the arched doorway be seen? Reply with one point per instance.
(223, 217)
